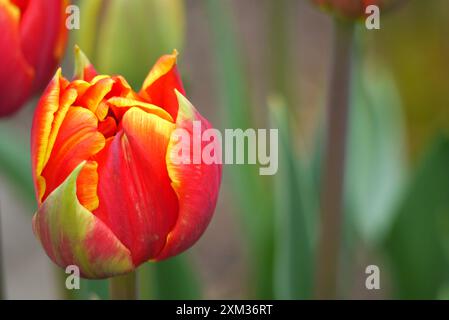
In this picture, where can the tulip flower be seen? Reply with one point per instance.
(32, 41)
(352, 9)
(110, 197)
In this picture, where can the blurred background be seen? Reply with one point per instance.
(261, 64)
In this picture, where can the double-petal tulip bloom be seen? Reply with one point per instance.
(32, 41)
(110, 196)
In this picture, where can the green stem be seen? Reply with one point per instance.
(333, 174)
(123, 287)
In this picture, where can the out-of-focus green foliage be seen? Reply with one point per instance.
(127, 37)
(15, 163)
(375, 165)
(251, 189)
(294, 257)
(418, 244)
(413, 44)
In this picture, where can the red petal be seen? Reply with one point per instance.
(94, 94)
(87, 184)
(15, 71)
(22, 4)
(160, 84)
(136, 200)
(77, 140)
(43, 37)
(108, 127)
(120, 105)
(196, 185)
(48, 116)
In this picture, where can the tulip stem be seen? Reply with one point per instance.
(123, 287)
(334, 163)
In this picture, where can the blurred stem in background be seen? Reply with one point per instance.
(280, 53)
(123, 287)
(333, 172)
(170, 279)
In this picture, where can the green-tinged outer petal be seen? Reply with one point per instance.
(71, 235)
(83, 68)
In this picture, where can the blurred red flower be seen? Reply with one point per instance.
(32, 41)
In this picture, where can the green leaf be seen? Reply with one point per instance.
(251, 190)
(375, 156)
(294, 257)
(417, 252)
(15, 163)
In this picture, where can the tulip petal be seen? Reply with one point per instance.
(136, 200)
(121, 88)
(160, 84)
(43, 37)
(78, 140)
(84, 70)
(196, 185)
(95, 94)
(120, 102)
(71, 235)
(108, 127)
(80, 86)
(86, 186)
(48, 117)
(16, 72)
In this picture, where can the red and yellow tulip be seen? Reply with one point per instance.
(32, 41)
(109, 195)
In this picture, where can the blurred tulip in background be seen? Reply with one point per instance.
(32, 41)
(352, 8)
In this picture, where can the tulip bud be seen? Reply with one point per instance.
(352, 9)
(32, 41)
(123, 36)
(110, 196)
